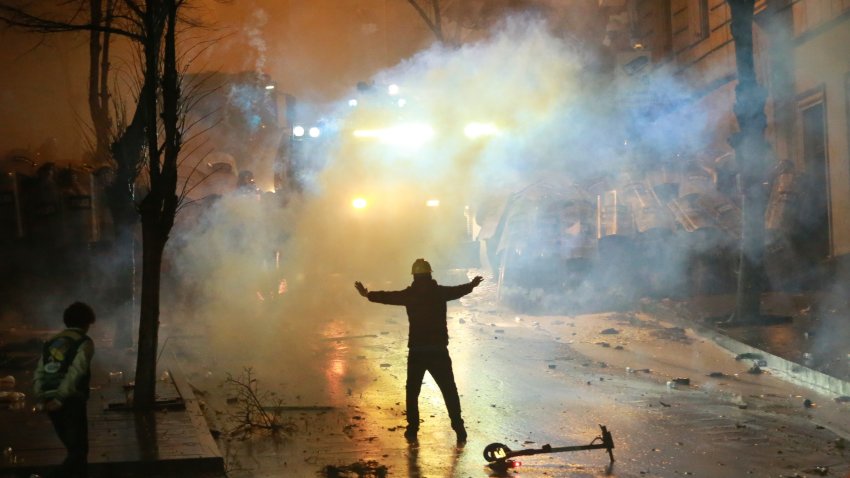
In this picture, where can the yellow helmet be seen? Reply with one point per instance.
(421, 266)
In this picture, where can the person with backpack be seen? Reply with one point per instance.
(428, 340)
(61, 384)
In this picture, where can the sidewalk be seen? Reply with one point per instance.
(811, 349)
(123, 443)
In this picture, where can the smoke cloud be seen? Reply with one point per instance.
(281, 277)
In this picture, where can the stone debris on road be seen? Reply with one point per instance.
(361, 468)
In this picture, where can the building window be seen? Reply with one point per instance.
(813, 231)
(698, 19)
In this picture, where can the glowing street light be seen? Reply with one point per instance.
(432, 202)
(359, 203)
(393, 89)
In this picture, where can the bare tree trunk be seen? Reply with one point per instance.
(144, 395)
(159, 207)
(751, 151)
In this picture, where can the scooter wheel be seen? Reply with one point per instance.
(495, 451)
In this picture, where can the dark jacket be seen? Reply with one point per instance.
(425, 301)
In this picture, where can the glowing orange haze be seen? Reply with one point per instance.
(315, 50)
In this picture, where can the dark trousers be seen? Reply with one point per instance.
(439, 364)
(71, 424)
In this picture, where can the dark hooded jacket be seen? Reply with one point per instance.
(425, 301)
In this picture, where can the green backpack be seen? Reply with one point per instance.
(58, 355)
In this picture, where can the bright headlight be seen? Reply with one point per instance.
(402, 135)
(298, 131)
(314, 132)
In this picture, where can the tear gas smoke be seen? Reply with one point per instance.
(551, 120)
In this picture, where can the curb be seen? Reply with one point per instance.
(782, 368)
(779, 367)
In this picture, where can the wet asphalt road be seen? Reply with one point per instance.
(530, 381)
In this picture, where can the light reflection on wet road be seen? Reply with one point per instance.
(525, 385)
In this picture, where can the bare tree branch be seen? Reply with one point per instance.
(428, 21)
(16, 17)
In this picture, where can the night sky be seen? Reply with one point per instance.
(315, 50)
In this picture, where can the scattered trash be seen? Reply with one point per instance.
(717, 375)
(677, 334)
(664, 404)
(755, 370)
(7, 382)
(818, 470)
(610, 331)
(9, 455)
(682, 381)
(842, 399)
(636, 370)
(749, 356)
(9, 397)
(671, 384)
(500, 331)
(386, 365)
(808, 403)
(603, 344)
(461, 321)
(361, 469)
(552, 366)
(619, 347)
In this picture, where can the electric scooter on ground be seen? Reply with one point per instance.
(500, 457)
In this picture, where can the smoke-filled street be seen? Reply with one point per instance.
(230, 232)
(528, 381)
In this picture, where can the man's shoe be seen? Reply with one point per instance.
(410, 434)
(461, 435)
